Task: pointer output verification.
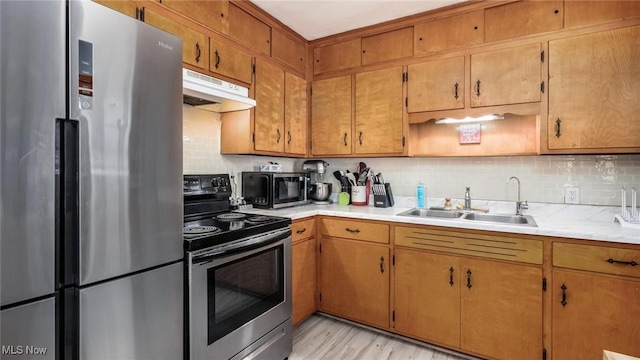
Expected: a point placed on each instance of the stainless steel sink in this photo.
(432, 213)
(524, 220)
(519, 220)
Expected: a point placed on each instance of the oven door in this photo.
(289, 190)
(239, 294)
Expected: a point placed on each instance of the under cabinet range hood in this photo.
(211, 94)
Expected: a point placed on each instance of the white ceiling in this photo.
(314, 19)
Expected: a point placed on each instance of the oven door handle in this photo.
(241, 246)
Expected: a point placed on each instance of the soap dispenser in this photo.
(421, 195)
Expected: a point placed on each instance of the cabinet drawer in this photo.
(493, 246)
(357, 230)
(303, 229)
(597, 258)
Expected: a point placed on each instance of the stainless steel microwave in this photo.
(275, 190)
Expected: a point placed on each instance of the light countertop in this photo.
(558, 220)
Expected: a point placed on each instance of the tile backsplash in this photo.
(543, 178)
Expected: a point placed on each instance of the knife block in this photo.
(385, 199)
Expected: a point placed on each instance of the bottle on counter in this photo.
(421, 194)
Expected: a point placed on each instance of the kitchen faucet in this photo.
(519, 205)
(467, 199)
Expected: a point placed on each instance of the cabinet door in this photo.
(522, 18)
(331, 116)
(585, 13)
(509, 76)
(378, 121)
(355, 281)
(387, 46)
(129, 8)
(229, 61)
(599, 313)
(295, 115)
(269, 110)
(427, 296)
(501, 302)
(436, 85)
(249, 30)
(289, 51)
(304, 279)
(194, 44)
(344, 55)
(449, 33)
(594, 87)
(212, 14)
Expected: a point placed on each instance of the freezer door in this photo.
(136, 317)
(28, 331)
(31, 98)
(126, 93)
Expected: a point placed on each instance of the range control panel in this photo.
(207, 184)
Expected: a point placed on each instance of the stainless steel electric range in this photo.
(238, 276)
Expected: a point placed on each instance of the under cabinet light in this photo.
(470, 119)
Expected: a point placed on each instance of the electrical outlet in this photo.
(572, 195)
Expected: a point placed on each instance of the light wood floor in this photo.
(321, 337)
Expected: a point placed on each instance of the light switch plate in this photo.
(572, 195)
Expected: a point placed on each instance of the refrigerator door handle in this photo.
(67, 201)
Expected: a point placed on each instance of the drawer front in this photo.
(597, 258)
(356, 230)
(303, 229)
(502, 247)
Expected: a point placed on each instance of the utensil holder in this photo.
(359, 195)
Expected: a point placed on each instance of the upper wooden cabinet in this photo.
(195, 45)
(331, 116)
(436, 85)
(229, 61)
(288, 51)
(248, 30)
(343, 55)
(379, 127)
(594, 87)
(508, 76)
(212, 14)
(449, 33)
(269, 110)
(392, 45)
(295, 115)
(522, 18)
(578, 13)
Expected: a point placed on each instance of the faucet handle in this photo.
(524, 205)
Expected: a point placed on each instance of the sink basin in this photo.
(525, 220)
(432, 213)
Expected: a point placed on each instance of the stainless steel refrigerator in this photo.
(90, 184)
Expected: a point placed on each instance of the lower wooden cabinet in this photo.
(469, 304)
(592, 313)
(354, 280)
(304, 269)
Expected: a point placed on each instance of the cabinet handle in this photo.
(360, 138)
(288, 137)
(382, 264)
(138, 13)
(469, 278)
(345, 139)
(300, 231)
(564, 295)
(278, 136)
(353, 231)
(451, 276)
(478, 88)
(558, 133)
(456, 91)
(198, 52)
(632, 263)
(217, 59)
